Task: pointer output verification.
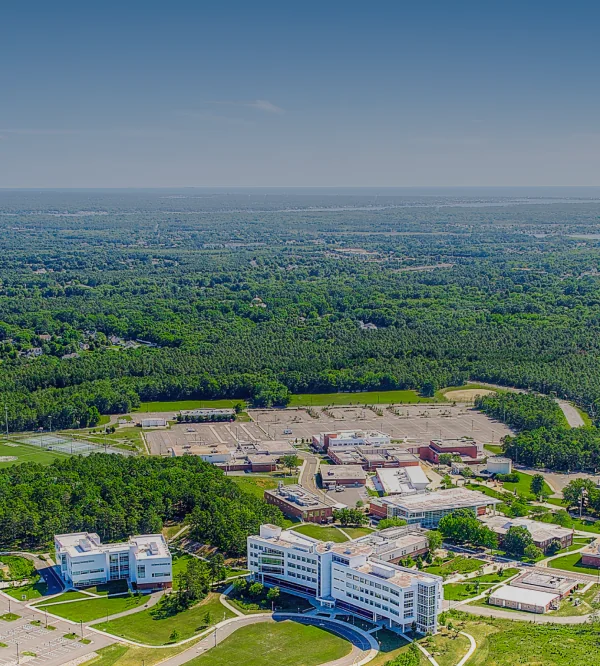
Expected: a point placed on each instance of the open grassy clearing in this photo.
(459, 564)
(523, 487)
(507, 642)
(178, 405)
(121, 655)
(356, 532)
(26, 453)
(169, 531)
(328, 533)
(71, 595)
(90, 609)
(33, 590)
(277, 644)
(474, 586)
(256, 485)
(579, 603)
(154, 627)
(359, 398)
(572, 563)
(447, 647)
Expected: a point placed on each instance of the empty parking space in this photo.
(417, 423)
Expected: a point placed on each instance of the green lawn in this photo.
(587, 525)
(507, 642)
(356, 532)
(523, 487)
(468, 588)
(178, 405)
(278, 644)
(360, 398)
(587, 421)
(571, 563)
(249, 604)
(121, 655)
(112, 587)
(65, 596)
(256, 485)
(153, 627)
(459, 564)
(94, 609)
(34, 590)
(323, 533)
(27, 453)
(496, 449)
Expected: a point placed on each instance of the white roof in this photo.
(402, 479)
(540, 532)
(441, 500)
(524, 596)
(334, 472)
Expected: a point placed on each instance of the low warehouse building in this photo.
(342, 475)
(518, 598)
(296, 502)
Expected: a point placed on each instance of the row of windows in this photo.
(300, 558)
(89, 571)
(302, 576)
(291, 565)
(379, 586)
(160, 574)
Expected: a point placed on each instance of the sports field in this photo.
(13, 453)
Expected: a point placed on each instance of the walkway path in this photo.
(471, 650)
(223, 600)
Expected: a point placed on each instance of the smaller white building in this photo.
(154, 423)
(498, 465)
(402, 480)
(530, 601)
(143, 560)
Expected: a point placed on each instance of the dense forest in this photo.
(117, 496)
(522, 411)
(109, 298)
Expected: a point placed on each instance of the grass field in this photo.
(178, 405)
(65, 596)
(571, 563)
(278, 644)
(121, 655)
(468, 588)
(323, 533)
(356, 532)
(34, 590)
(587, 525)
(361, 398)
(150, 626)
(248, 604)
(523, 487)
(26, 453)
(256, 485)
(506, 643)
(94, 609)
(459, 564)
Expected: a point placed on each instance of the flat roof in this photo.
(449, 443)
(334, 472)
(297, 496)
(540, 532)
(440, 500)
(524, 596)
(592, 549)
(401, 479)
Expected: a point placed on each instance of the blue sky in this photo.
(150, 94)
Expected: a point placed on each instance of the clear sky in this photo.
(309, 93)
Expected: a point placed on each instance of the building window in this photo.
(141, 571)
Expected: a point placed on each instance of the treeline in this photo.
(118, 496)
(563, 449)
(522, 411)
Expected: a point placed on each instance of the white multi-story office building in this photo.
(349, 439)
(354, 576)
(144, 560)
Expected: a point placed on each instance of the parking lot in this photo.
(160, 441)
(418, 423)
(36, 645)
